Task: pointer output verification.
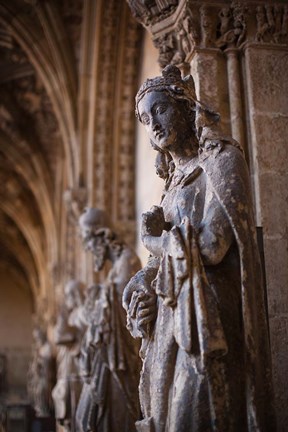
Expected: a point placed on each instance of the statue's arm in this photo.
(215, 234)
(154, 230)
(140, 300)
(141, 281)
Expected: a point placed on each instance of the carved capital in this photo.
(150, 12)
(178, 30)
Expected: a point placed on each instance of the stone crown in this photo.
(171, 80)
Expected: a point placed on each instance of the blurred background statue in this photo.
(110, 361)
(41, 374)
(69, 331)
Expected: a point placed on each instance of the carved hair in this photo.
(181, 89)
(98, 222)
(170, 82)
(94, 218)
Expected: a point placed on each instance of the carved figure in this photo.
(198, 304)
(225, 17)
(284, 21)
(270, 17)
(69, 331)
(262, 25)
(190, 26)
(184, 40)
(208, 36)
(41, 375)
(232, 36)
(151, 11)
(109, 400)
(167, 48)
(278, 23)
(239, 22)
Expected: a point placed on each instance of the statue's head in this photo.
(97, 234)
(168, 108)
(74, 296)
(170, 82)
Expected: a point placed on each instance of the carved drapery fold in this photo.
(237, 53)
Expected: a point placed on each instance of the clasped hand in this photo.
(140, 302)
(152, 230)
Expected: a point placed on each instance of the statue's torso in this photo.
(185, 199)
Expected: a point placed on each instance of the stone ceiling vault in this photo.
(68, 77)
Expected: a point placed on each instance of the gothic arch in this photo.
(34, 173)
(49, 52)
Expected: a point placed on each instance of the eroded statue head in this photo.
(73, 294)
(96, 233)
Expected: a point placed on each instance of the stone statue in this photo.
(198, 304)
(111, 364)
(69, 331)
(41, 374)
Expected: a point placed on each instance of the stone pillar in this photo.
(235, 97)
(208, 67)
(267, 89)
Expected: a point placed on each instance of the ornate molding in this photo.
(108, 141)
(124, 195)
(213, 25)
(150, 12)
(105, 99)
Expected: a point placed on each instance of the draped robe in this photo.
(109, 400)
(206, 363)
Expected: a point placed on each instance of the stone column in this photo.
(267, 89)
(208, 67)
(235, 95)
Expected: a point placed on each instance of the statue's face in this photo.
(165, 119)
(87, 236)
(95, 244)
(69, 298)
(99, 252)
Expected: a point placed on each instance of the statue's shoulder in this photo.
(229, 159)
(228, 174)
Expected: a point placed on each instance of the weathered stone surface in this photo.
(211, 88)
(271, 150)
(272, 184)
(267, 78)
(198, 305)
(267, 85)
(276, 250)
(279, 332)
